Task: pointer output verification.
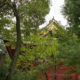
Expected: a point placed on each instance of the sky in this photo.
(55, 11)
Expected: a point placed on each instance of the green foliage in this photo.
(36, 11)
(43, 48)
(3, 73)
(69, 50)
(72, 14)
(60, 45)
(4, 66)
(31, 13)
(2, 47)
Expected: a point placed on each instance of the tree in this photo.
(31, 17)
(18, 43)
(72, 14)
(27, 13)
(69, 48)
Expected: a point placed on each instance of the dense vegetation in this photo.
(72, 14)
(35, 50)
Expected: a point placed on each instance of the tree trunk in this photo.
(18, 43)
